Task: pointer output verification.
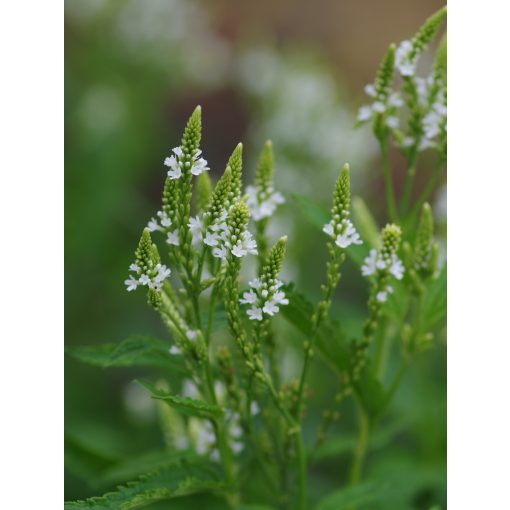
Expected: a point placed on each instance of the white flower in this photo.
(164, 219)
(279, 297)
(403, 61)
(379, 107)
(255, 283)
(249, 297)
(191, 334)
(211, 238)
(144, 279)
(134, 267)
(153, 225)
(236, 446)
(392, 122)
(382, 295)
(175, 171)
(174, 350)
(328, 229)
(369, 264)
(348, 236)
(270, 307)
(364, 113)
(395, 100)
(172, 238)
(370, 90)
(196, 225)
(163, 272)
(254, 408)
(220, 252)
(262, 203)
(199, 166)
(215, 455)
(131, 283)
(254, 313)
(397, 268)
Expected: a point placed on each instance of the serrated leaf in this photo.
(131, 468)
(185, 405)
(136, 350)
(165, 483)
(357, 496)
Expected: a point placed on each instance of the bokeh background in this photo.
(291, 71)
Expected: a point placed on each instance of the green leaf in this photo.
(330, 341)
(185, 405)
(136, 350)
(130, 468)
(371, 394)
(165, 483)
(358, 495)
(318, 216)
(315, 213)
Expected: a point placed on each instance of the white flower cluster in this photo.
(196, 166)
(434, 120)
(153, 278)
(405, 61)
(264, 297)
(388, 104)
(163, 225)
(376, 262)
(262, 203)
(342, 231)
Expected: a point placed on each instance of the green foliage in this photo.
(165, 483)
(137, 350)
(244, 422)
(185, 405)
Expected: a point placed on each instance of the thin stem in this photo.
(429, 188)
(388, 183)
(408, 182)
(361, 445)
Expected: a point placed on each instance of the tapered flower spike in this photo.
(408, 52)
(428, 31)
(235, 163)
(340, 228)
(384, 75)
(262, 199)
(424, 247)
(265, 295)
(148, 270)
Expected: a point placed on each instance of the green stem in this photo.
(427, 191)
(408, 182)
(361, 446)
(388, 183)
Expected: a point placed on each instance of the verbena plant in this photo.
(232, 417)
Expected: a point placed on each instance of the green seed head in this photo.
(424, 244)
(264, 172)
(427, 31)
(274, 261)
(220, 197)
(342, 194)
(235, 162)
(384, 75)
(192, 133)
(390, 241)
(146, 255)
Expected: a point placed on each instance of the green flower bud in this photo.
(427, 31)
(235, 163)
(203, 191)
(264, 171)
(384, 75)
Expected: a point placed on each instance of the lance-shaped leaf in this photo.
(136, 350)
(166, 483)
(185, 405)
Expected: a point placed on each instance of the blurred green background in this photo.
(291, 71)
